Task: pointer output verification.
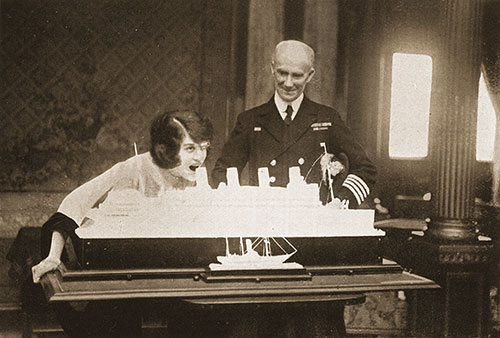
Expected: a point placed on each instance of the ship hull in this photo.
(257, 259)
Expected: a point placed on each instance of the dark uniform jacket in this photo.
(262, 139)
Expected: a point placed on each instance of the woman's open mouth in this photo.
(193, 167)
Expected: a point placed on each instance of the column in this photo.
(454, 121)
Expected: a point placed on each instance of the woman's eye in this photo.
(189, 149)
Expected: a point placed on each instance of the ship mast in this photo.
(227, 247)
(241, 246)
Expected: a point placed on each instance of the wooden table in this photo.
(86, 285)
(347, 284)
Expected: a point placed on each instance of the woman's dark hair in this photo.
(168, 129)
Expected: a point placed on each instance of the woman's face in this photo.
(191, 155)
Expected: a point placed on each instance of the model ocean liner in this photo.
(264, 218)
(229, 211)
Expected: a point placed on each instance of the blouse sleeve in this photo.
(77, 203)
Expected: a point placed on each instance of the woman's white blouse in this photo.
(138, 172)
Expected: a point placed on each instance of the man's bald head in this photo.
(292, 67)
(294, 50)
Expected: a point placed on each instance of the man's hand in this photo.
(330, 167)
(47, 265)
(330, 163)
(338, 204)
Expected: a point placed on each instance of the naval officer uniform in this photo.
(263, 137)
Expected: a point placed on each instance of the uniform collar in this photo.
(281, 105)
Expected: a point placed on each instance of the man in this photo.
(291, 130)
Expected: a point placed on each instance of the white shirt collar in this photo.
(281, 105)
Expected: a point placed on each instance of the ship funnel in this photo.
(295, 178)
(263, 174)
(202, 178)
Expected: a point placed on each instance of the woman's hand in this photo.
(47, 265)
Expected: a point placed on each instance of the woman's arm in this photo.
(52, 261)
(72, 211)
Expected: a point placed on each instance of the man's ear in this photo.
(310, 75)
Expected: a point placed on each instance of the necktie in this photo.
(289, 112)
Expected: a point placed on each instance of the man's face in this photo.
(191, 155)
(291, 74)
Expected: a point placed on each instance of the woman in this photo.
(179, 143)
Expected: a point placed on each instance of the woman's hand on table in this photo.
(46, 265)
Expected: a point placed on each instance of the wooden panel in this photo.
(320, 32)
(216, 69)
(195, 252)
(265, 30)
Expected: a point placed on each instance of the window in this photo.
(486, 124)
(410, 105)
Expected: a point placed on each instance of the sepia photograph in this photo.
(249, 168)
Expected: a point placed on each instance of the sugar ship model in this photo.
(250, 259)
(196, 226)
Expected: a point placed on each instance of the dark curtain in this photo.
(491, 73)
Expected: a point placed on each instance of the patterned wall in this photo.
(80, 81)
